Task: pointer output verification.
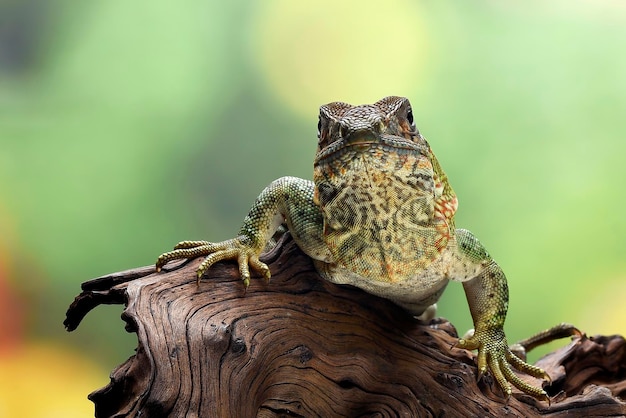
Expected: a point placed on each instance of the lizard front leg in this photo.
(287, 199)
(488, 298)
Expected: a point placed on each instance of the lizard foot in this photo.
(233, 249)
(495, 356)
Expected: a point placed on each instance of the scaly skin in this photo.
(379, 215)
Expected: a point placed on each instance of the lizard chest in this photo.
(379, 217)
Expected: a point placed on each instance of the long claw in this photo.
(520, 365)
(519, 383)
(182, 253)
(562, 330)
(190, 244)
(261, 267)
(499, 374)
(482, 363)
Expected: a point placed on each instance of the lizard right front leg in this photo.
(284, 199)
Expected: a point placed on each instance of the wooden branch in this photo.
(300, 346)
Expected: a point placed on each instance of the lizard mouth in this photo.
(365, 143)
(360, 143)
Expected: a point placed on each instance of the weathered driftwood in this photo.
(300, 346)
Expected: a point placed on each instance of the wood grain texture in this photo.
(300, 346)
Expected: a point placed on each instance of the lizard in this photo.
(379, 215)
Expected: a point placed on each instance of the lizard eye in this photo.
(409, 117)
(319, 128)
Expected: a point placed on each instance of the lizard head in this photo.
(343, 127)
(374, 140)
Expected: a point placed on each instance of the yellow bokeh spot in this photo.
(603, 310)
(313, 53)
(47, 381)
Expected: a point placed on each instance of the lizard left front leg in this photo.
(288, 199)
(488, 297)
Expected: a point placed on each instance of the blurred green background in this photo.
(126, 127)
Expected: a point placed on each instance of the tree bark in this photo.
(300, 346)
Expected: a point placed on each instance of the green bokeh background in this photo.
(126, 127)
